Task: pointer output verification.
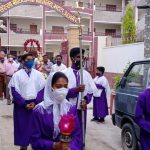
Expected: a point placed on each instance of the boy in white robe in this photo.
(100, 106)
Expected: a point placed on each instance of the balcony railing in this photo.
(113, 41)
(103, 15)
(24, 11)
(25, 31)
(87, 36)
(116, 40)
(104, 8)
(18, 39)
(115, 35)
(49, 35)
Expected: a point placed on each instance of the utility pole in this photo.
(8, 33)
(43, 30)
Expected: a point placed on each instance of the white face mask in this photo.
(59, 94)
(10, 59)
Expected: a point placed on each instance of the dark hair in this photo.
(45, 55)
(58, 75)
(102, 69)
(75, 51)
(19, 58)
(59, 56)
(23, 57)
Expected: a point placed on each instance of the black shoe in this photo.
(23, 148)
(94, 119)
(9, 102)
(102, 120)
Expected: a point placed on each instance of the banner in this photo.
(48, 3)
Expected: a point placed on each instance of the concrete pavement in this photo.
(98, 137)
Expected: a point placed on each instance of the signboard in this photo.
(48, 3)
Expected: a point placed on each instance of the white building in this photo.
(25, 22)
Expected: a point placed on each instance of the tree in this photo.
(128, 26)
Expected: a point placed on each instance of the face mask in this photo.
(60, 94)
(29, 64)
(58, 63)
(77, 63)
(98, 74)
(10, 59)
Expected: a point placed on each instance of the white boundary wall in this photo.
(116, 58)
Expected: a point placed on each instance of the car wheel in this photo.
(128, 137)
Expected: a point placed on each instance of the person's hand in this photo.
(81, 88)
(43, 69)
(64, 146)
(83, 105)
(61, 146)
(30, 106)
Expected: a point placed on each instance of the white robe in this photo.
(27, 86)
(104, 82)
(90, 87)
(56, 68)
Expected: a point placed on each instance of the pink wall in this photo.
(110, 77)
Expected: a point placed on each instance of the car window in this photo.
(137, 76)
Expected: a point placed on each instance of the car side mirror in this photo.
(123, 82)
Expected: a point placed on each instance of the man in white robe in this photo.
(75, 87)
(27, 90)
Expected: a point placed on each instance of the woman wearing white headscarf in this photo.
(142, 115)
(45, 135)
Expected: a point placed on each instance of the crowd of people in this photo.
(9, 64)
(40, 102)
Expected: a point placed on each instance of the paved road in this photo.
(98, 137)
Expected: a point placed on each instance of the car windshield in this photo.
(138, 76)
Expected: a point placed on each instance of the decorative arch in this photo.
(31, 42)
(47, 3)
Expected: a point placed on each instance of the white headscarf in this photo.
(148, 80)
(58, 109)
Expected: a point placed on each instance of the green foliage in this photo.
(118, 78)
(128, 26)
(132, 76)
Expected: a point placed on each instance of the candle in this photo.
(66, 126)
